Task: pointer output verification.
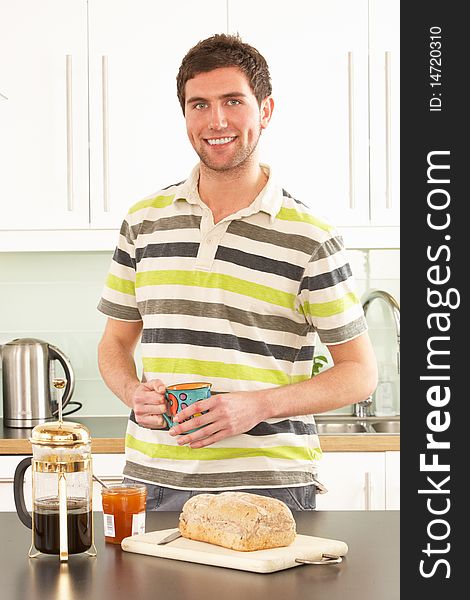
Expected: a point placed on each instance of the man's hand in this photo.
(148, 403)
(227, 415)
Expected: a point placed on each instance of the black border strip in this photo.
(434, 125)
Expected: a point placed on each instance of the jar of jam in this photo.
(123, 510)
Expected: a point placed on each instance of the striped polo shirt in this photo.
(239, 303)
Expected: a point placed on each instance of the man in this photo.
(228, 279)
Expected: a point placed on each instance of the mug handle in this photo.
(18, 492)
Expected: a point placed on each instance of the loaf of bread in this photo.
(237, 520)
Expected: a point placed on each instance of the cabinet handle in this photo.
(352, 198)
(68, 85)
(104, 85)
(367, 490)
(388, 130)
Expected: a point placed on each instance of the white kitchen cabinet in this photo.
(43, 114)
(392, 480)
(355, 481)
(317, 139)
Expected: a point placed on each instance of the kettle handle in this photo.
(18, 492)
(56, 354)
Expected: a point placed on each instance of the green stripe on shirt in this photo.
(155, 202)
(208, 368)
(120, 285)
(187, 453)
(334, 307)
(216, 280)
(291, 214)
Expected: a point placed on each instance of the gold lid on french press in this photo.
(59, 433)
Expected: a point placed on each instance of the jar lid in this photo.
(125, 489)
(60, 433)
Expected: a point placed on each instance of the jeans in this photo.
(169, 499)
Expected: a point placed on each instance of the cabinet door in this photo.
(392, 480)
(317, 140)
(355, 481)
(7, 472)
(43, 114)
(385, 112)
(138, 141)
(109, 468)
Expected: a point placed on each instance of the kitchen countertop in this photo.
(370, 570)
(107, 435)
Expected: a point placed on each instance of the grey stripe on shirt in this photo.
(328, 336)
(210, 339)
(270, 236)
(167, 249)
(237, 479)
(259, 263)
(326, 280)
(348, 331)
(214, 310)
(119, 311)
(263, 428)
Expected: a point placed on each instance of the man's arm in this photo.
(117, 367)
(352, 379)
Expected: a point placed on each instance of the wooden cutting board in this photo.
(259, 561)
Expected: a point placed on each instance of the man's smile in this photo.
(219, 141)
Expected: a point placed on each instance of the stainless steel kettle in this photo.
(27, 373)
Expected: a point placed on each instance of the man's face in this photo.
(223, 119)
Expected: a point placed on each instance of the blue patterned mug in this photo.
(182, 395)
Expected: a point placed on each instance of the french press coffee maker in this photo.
(62, 489)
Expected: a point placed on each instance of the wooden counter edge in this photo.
(98, 446)
(359, 443)
(329, 443)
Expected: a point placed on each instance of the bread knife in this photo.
(169, 538)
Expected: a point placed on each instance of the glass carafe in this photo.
(62, 489)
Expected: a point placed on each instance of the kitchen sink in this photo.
(386, 426)
(341, 427)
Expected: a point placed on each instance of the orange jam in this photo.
(123, 511)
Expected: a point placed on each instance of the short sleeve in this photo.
(327, 296)
(118, 299)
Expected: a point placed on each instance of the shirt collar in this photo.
(269, 200)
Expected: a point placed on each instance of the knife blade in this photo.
(169, 538)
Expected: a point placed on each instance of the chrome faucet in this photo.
(395, 308)
(362, 409)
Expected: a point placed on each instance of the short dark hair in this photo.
(222, 50)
